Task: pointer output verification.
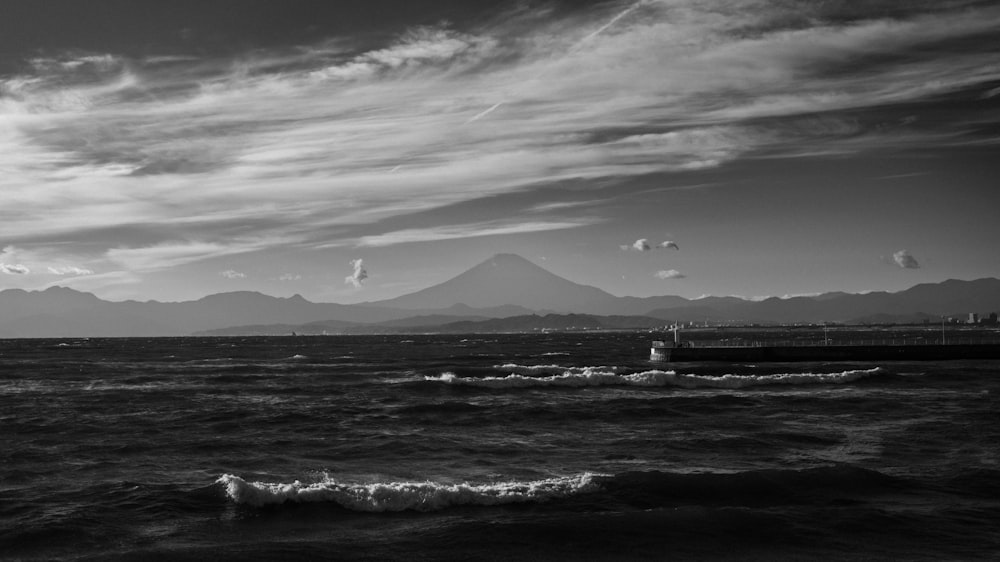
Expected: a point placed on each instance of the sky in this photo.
(354, 151)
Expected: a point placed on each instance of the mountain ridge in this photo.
(503, 286)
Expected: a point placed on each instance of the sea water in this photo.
(519, 446)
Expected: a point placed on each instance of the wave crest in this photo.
(593, 376)
(551, 369)
(402, 496)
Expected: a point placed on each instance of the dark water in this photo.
(554, 446)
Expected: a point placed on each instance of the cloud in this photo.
(905, 260)
(165, 255)
(417, 47)
(787, 296)
(297, 142)
(171, 254)
(669, 274)
(641, 245)
(69, 270)
(359, 275)
(289, 277)
(493, 228)
(14, 269)
(38, 258)
(561, 205)
(232, 274)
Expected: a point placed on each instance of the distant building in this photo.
(973, 318)
(993, 318)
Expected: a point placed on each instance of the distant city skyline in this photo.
(357, 151)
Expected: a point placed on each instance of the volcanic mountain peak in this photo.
(510, 266)
(506, 279)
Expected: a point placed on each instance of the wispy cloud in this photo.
(309, 147)
(47, 261)
(162, 256)
(467, 231)
(561, 206)
(69, 270)
(903, 176)
(177, 253)
(669, 274)
(233, 274)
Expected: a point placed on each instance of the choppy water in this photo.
(554, 446)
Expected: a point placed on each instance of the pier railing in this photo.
(833, 342)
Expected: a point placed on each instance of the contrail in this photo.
(482, 114)
(613, 21)
(590, 36)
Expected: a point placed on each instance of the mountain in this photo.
(535, 322)
(504, 286)
(62, 312)
(462, 309)
(949, 298)
(15, 303)
(310, 329)
(508, 279)
(446, 324)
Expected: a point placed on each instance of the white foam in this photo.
(595, 377)
(552, 369)
(401, 496)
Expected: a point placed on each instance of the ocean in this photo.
(557, 446)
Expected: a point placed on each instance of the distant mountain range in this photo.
(445, 324)
(504, 293)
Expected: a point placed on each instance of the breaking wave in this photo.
(595, 376)
(551, 369)
(645, 489)
(402, 496)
